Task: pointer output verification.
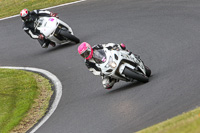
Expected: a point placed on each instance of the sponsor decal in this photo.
(104, 59)
(51, 19)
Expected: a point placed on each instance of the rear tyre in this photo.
(69, 36)
(134, 75)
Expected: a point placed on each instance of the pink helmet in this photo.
(85, 50)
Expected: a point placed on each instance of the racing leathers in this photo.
(107, 82)
(29, 26)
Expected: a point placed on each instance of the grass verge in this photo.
(13, 7)
(188, 122)
(24, 98)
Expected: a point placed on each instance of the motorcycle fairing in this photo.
(123, 59)
(49, 26)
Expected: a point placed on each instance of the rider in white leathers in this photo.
(88, 52)
(29, 19)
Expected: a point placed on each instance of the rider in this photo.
(29, 19)
(89, 53)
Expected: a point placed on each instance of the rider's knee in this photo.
(108, 82)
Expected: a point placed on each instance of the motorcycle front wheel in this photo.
(134, 75)
(148, 71)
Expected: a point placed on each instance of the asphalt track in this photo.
(164, 33)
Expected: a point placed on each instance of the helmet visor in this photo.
(86, 53)
(26, 18)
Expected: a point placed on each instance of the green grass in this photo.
(185, 123)
(13, 7)
(18, 90)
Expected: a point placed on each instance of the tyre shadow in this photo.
(130, 85)
(59, 47)
(50, 50)
(126, 87)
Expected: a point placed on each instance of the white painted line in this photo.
(65, 4)
(58, 92)
(47, 8)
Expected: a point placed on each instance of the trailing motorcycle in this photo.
(56, 30)
(122, 65)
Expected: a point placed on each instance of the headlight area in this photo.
(113, 64)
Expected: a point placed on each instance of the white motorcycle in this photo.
(56, 30)
(122, 65)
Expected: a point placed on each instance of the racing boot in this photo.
(44, 45)
(53, 44)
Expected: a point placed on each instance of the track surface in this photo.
(166, 34)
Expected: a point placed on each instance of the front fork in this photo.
(135, 58)
(67, 26)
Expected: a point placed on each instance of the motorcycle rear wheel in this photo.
(134, 75)
(69, 36)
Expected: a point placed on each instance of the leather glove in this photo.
(101, 74)
(54, 15)
(41, 37)
(123, 46)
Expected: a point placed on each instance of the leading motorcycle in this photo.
(56, 30)
(122, 65)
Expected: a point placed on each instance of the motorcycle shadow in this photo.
(59, 47)
(50, 50)
(126, 87)
(130, 85)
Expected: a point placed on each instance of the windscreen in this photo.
(39, 22)
(99, 56)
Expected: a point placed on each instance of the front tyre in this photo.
(69, 36)
(148, 71)
(134, 75)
